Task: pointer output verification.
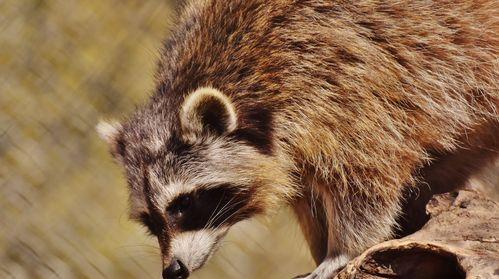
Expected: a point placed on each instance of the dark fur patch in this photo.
(150, 223)
(120, 146)
(211, 208)
(214, 115)
(399, 58)
(348, 57)
(256, 129)
(177, 146)
(279, 20)
(153, 220)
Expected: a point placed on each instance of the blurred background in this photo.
(65, 64)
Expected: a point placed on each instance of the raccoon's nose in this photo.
(176, 270)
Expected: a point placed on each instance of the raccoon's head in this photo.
(194, 172)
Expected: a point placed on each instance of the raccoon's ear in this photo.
(109, 131)
(207, 111)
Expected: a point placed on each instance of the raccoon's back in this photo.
(364, 82)
(412, 55)
(374, 85)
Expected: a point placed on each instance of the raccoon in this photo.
(339, 109)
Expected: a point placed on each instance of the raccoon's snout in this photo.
(176, 270)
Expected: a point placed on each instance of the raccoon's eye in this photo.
(180, 205)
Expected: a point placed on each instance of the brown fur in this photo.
(349, 102)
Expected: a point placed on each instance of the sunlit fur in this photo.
(341, 107)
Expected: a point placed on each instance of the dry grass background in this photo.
(63, 65)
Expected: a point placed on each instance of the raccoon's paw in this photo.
(327, 269)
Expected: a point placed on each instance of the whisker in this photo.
(211, 219)
(230, 216)
(211, 215)
(219, 213)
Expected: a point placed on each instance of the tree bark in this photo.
(461, 240)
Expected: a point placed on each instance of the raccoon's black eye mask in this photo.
(203, 209)
(153, 224)
(207, 208)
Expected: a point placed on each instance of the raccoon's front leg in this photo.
(353, 222)
(311, 215)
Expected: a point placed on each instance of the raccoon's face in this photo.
(191, 180)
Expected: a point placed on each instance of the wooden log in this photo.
(461, 240)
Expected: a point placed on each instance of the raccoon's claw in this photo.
(315, 275)
(327, 269)
(303, 276)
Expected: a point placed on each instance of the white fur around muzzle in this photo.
(196, 247)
